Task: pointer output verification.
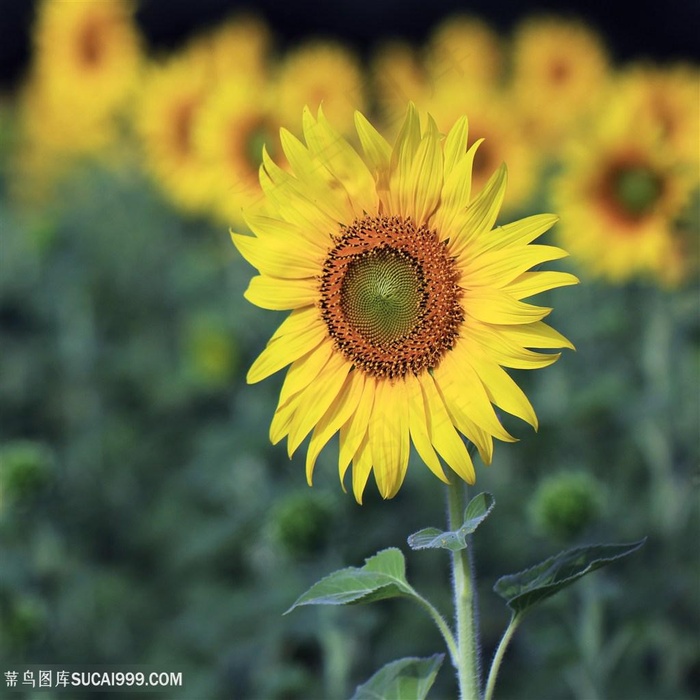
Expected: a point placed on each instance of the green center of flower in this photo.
(381, 294)
(637, 189)
(390, 296)
(254, 142)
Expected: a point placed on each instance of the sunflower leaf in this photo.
(382, 576)
(527, 588)
(405, 679)
(476, 512)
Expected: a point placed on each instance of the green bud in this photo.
(25, 469)
(566, 504)
(300, 523)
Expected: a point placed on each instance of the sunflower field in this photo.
(146, 517)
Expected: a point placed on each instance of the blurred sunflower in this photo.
(464, 52)
(399, 76)
(669, 100)
(86, 59)
(319, 72)
(620, 194)
(405, 303)
(560, 70)
(239, 47)
(492, 120)
(172, 95)
(234, 125)
(87, 55)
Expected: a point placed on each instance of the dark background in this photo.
(646, 29)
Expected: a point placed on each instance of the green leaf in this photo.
(382, 576)
(475, 513)
(405, 679)
(527, 588)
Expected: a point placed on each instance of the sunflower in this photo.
(239, 47)
(234, 124)
(464, 51)
(492, 121)
(398, 76)
(669, 99)
(560, 70)
(172, 95)
(87, 55)
(319, 72)
(405, 303)
(620, 195)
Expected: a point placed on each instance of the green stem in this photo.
(463, 587)
(498, 656)
(441, 625)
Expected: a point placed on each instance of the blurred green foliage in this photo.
(145, 518)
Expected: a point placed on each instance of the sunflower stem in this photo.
(463, 585)
(498, 656)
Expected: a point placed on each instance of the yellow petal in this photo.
(302, 331)
(443, 435)
(503, 349)
(389, 437)
(519, 232)
(499, 267)
(285, 233)
(531, 283)
(464, 394)
(280, 294)
(418, 423)
(401, 162)
(494, 306)
(539, 335)
(502, 390)
(315, 400)
(344, 406)
(313, 170)
(361, 467)
(345, 165)
(304, 370)
(376, 148)
(481, 213)
(297, 202)
(279, 258)
(455, 196)
(456, 145)
(353, 432)
(424, 182)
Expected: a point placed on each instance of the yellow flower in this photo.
(172, 94)
(87, 55)
(669, 100)
(231, 130)
(619, 194)
(399, 77)
(405, 303)
(465, 52)
(320, 72)
(86, 60)
(239, 47)
(492, 120)
(560, 70)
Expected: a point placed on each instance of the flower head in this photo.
(620, 195)
(172, 96)
(319, 72)
(560, 70)
(405, 303)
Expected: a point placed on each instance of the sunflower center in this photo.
(637, 189)
(390, 297)
(255, 138)
(381, 294)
